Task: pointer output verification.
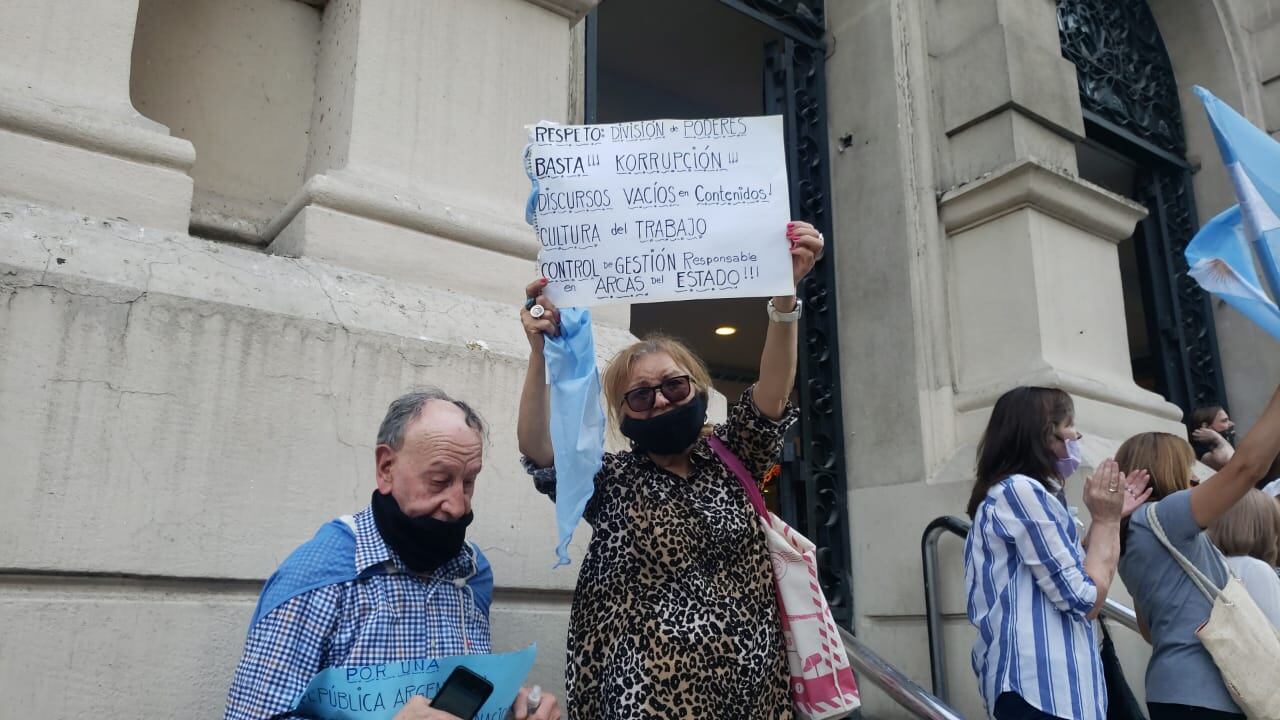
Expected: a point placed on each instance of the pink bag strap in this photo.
(748, 483)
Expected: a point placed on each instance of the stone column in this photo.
(972, 259)
(414, 168)
(69, 135)
(1034, 279)
(1005, 92)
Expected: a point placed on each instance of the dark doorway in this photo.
(650, 59)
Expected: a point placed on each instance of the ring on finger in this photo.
(536, 311)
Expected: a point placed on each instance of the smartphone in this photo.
(462, 694)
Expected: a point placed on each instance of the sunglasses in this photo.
(674, 389)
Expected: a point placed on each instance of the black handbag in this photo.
(1121, 704)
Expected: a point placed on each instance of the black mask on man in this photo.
(670, 432)
(423, 543)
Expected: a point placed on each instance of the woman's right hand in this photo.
(548, 324)
(1104, 492)
(532, 422)
(1208, 436)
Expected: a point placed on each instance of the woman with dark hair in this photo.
(1212, 435)
(1033, 590)
(1182, 679)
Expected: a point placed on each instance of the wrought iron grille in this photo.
(815, 491)
(1129, 98)
(1182, 322)
(801, 20)
(1123, 69)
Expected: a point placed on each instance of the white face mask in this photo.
(1068, 465)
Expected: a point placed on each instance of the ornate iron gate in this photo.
(1130, 101)
(814, 490)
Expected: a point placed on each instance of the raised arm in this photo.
(1254, 455)
(778, 359)
(533, 423)
(1104, 494)
(1221, 452)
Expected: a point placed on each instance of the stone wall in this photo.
(181, 414)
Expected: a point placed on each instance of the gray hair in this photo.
(404, 409)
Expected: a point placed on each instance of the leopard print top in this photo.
(675, 614)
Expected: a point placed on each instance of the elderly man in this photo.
(396, 581)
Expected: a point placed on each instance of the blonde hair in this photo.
(617, 376)
(1168, 458)
(1277, 517)
(1248, 528)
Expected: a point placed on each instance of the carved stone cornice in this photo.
(1028, 183)
(575, 10)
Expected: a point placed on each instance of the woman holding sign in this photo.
(675, 613)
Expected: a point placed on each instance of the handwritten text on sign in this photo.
(661, 210)
(378, 692)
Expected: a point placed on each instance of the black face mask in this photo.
(423, 543)
(670, 432)
(1230, 437)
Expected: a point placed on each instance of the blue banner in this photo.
(378, 692)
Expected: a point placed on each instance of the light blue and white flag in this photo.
(577, 420)
(1234, 252)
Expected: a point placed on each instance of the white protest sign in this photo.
(660, 210)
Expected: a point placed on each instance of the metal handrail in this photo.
(959, 527)
(902, 689)
(932, 613)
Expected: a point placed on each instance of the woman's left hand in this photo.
(806, 248)
(1136, 491)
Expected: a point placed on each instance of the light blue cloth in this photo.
(379, 691)
(330, 558)
(1224, 257)
(577, 420)
(531, 205)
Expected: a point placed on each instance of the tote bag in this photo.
(822, 684)
(1237, 635)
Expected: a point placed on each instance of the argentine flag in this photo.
(1227, 254)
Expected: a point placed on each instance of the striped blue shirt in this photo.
(1029, 597)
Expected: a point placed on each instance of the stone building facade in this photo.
(232, 230)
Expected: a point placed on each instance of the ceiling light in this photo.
(726, 330)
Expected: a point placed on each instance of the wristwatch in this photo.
(785, 317)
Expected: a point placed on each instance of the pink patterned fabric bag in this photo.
(822, 683)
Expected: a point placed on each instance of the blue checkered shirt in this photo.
(387, 614)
